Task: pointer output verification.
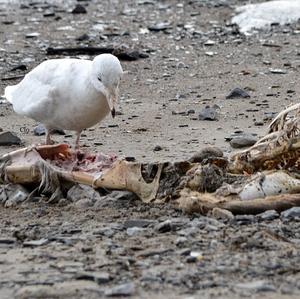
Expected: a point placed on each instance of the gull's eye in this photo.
(99, 78)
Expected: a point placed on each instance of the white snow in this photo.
(262, 15)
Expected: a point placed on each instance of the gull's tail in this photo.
(8, 93)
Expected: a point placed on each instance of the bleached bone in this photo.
(29, 165)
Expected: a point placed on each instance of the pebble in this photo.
(138, 223)
(256, 286)
(208, 113)
(133, 231)
(79, 192)
(268, 215)
(9, 138)
(243, 140)
(293, 213)
(278, 71)
(98, 277)
(222, 214)
(237, 93)
(157, 148)
(126, 289)
(12, 195)
(79, 9)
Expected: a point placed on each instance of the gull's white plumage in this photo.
(67, 93)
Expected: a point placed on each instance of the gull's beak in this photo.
(112, 99)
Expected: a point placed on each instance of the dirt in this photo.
(189, 256)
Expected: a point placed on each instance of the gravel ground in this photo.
(116, 245)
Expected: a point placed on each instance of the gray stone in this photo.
(257, 286)
(12, 195)
(79, 191)
(126, 289)
(293, 213)
(137, 223)
(133, 231)
(9, 138)
(268, 215)
(40, 130)
(222, 214)
(243, 140)
(208, 113)
(84, 203)
(238, 93)
(36, 243)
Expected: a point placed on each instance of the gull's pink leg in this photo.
(77, 146)
(48, 137)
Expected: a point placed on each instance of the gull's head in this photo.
(107, 73)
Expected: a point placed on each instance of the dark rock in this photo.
(170, 225)
(83, 37)
(79, 9)
(208, 113)
(238, 93)
(9, 138)
(99, 277)
(126, 289)
(293, 213)
(258, 123)
(157, 148)
(20, 67)
(244, 219)
(49, 14)
(137, 223)
(243, 140)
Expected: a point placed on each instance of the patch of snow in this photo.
(262, 15)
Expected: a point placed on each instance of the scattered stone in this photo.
(258, 123)
(268, 215)
(137, 223)
(222, 214)
(99, 277)
(79, 9)
(20, 67)
(84, 203)
(293, 213)
(243, 140)
(208, 113)
(133, 231)
(12, 195)
(36, 243)
(256, 286)
(157, 148)
(162, 26)
(238, 93)
(5, 241)
(32, 35)
(79, 191)
(126, 289)
(278, 71)
(9, 138)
